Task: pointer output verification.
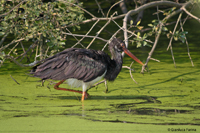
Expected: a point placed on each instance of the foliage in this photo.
(38, 21)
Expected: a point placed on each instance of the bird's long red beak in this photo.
(132, 56)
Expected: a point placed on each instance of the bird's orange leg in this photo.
(84, 94)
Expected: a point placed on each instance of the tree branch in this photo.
(141, 8)
(84, 36)
(198, 19)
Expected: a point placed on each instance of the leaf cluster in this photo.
(32, 19)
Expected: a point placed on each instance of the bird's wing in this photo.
(81, 64)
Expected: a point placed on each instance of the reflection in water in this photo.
(83, 110)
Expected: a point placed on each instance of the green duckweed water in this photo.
(166, 98)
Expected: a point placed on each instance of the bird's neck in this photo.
(116, 66)
(117, 57)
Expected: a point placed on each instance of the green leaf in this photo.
(139, 44)
(1, 8)
(150, 25)
(138, 34)
(131, 22)
(144, 36)
(175, 38)
(165, 29)
(2, 33)
(61, 43)
(144, 43)
(138, 22)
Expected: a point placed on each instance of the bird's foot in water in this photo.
(85, 95)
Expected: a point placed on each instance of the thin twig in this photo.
(129, 68)
(141, 8)
(154, 59)
(158, 14)
(153, 48)
(191, 15)
(84, 36)
(100, 31)
(170, 42)
(15, 80)
(94, 19)
(20, 64)
(13, 48)
(46, 52)
(103, 81)
(4, 37)
(14, 41)
(100, 8)
(86, 33)
(173, 56)
(24, 52)
(111, 39)
(187, 46)
(131, 73)
(112, 7)
(74, 37)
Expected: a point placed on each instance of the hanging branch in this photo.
(86, 33)
(184, 9)
(170, 42)
(84, 36)
(100, 8)
(141, 8)
(188, 50)
(153, 48)
(100, 31)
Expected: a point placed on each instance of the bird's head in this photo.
(117, 45)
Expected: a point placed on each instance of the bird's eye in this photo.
(123, 45)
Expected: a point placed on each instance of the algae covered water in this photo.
(166, 98)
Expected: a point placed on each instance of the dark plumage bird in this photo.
(83, 67)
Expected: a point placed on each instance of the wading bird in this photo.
(83, 67)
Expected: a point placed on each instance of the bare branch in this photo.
(87, 33)
(14, 41)
(141, 8)
(19, 64)
(198, 19)
(131, 73)
(84, 36)
(100, 8)
(74, 37)
(187, 45)
(112, 7)
(153, 48)
(3, 38)
(154, 59)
